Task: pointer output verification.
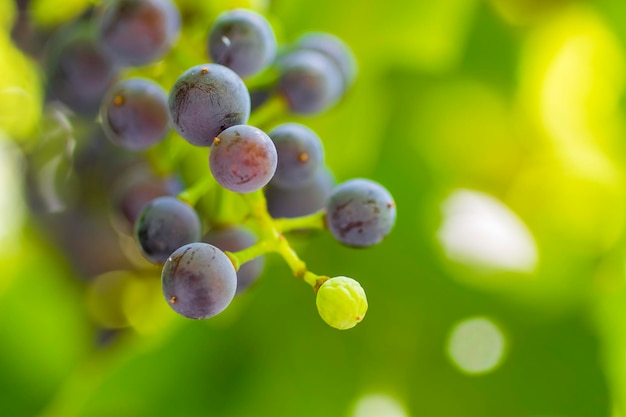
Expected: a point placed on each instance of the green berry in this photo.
(341, 302)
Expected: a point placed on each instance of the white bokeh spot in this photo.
(476, 345)
(12, 204)
(378, 405)
(480, 231)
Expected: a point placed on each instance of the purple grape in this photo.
(138, 32)
(233, 239)
(300, 154)
(79, 73)
(360, 212)
(243, 41)
(199, 281)
(135, 187)
(243, 159)
(164, 225)
(134, 114)
(310, 81)
(301, 201)
(335, 49)
(205, 100)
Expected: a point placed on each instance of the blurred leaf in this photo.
(20, 92)
(44, 330)
(48, 13)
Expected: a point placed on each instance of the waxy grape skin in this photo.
(243, 159)
(165, 224)
(199, 281)
(360, 213)
(205, 100)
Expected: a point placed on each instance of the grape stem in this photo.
(316, 221)
(223, 207)
(271, 239)
(194, 193)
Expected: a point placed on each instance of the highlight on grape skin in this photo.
(243, 41)
(341, 302)
(360, 212)
(205, 100)
(134, 114)
(199, 281)
(243, 159)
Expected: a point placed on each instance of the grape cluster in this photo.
(210, 233)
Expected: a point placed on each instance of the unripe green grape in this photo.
(341, 302)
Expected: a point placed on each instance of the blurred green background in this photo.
(498, 126)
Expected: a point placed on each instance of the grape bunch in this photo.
(245, 177)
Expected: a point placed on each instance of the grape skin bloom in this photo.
(134, 114)
(360, 212)
(336, 49)
(243, 159)
(341, 302)
(300, 201)
(138, 32)
(199, 281)
(309, 81)
(243, 41)
(164, 225)
(300, 154)
(79, 72)
(206, 100)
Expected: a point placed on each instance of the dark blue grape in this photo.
(360, 212)
(243, 41)
(164, 225)
(233, 239)
(335, 49)
(309, 81)
(79, 73)
(300, 154)
(138, 32)
(205, 100)
(134, 114)
(199, 281)
(301, 201)
(243, 159)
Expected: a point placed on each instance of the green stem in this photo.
(258, 211)
(272, 240)
(224, 209)
(241, 257)
(316, 220)
(297, 265)
(198, 190)
(217, 206)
